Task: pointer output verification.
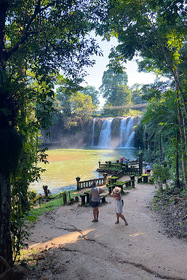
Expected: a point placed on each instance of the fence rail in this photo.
(122, 168)
(131, 171)
(88, 183)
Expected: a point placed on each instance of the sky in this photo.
(96, 72)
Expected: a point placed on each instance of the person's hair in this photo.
(94, 184)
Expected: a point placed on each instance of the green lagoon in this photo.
(67, 164)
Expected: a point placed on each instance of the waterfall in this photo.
(123, 126)
(130, 142)
(129, 128)
(105, 134)
(93, 129)
(126, 133)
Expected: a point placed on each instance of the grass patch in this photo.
(53, 202)
(48, 206)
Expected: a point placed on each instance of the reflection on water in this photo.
(67, 164)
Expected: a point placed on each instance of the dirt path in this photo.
(76, 248)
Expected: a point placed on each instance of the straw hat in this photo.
(116, 190)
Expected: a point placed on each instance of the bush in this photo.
(32, 194)
(160, 174)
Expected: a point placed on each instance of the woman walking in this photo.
(118, 205)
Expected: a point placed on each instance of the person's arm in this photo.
(90, 194)
(101, 191)
(116, 196)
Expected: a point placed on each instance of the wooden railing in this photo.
(88, 183)
(116, 164)
(131, 170)
(109, 164)
(122, 168)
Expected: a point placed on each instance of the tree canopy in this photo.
(156, 32)
(37, 39)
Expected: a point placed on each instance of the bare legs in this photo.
(95, 214)
(119, 215)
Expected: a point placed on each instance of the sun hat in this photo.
(116, 190)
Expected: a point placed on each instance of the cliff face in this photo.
(76, 137)
(83, 136)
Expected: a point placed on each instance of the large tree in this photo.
(75, 109)
(115, 90)
(162, 127)
(37, 39)
(156, 31)
(93, 93)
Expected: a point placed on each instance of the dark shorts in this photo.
(94, 204)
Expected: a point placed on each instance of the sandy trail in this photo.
(76, 248)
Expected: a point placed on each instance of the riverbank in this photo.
(65, 244)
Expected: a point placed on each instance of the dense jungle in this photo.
(45, 48)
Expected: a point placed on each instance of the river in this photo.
(67, 164)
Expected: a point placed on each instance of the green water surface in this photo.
(67, 164)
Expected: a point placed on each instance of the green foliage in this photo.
(75, 109)
(150, 156)
(81, 108)
(19, 228)
(156, 31)
(114, 89)
(31, 194)
(138, 94)
(52, 202)
(47, 207)
(139, 136)
(162, 129)
(91, 91)
(111, 81)
(160, 174)
(116, 92)
(38, 39)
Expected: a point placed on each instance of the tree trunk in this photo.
(182, 139)
(5, 207)
(140, 163)
(160, 147)
(177, 160)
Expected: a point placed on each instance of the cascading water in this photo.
(105, 134)
(93, 129)
(126, 133)
(130, 142)
(123, 126)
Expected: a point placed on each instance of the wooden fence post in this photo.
(105, 178)
(78, 180)
(140, 162)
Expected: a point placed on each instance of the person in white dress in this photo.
(118, 204)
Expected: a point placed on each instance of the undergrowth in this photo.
(50, 203)
(171, 204)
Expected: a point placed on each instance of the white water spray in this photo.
(126, 133)
(105, 134)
